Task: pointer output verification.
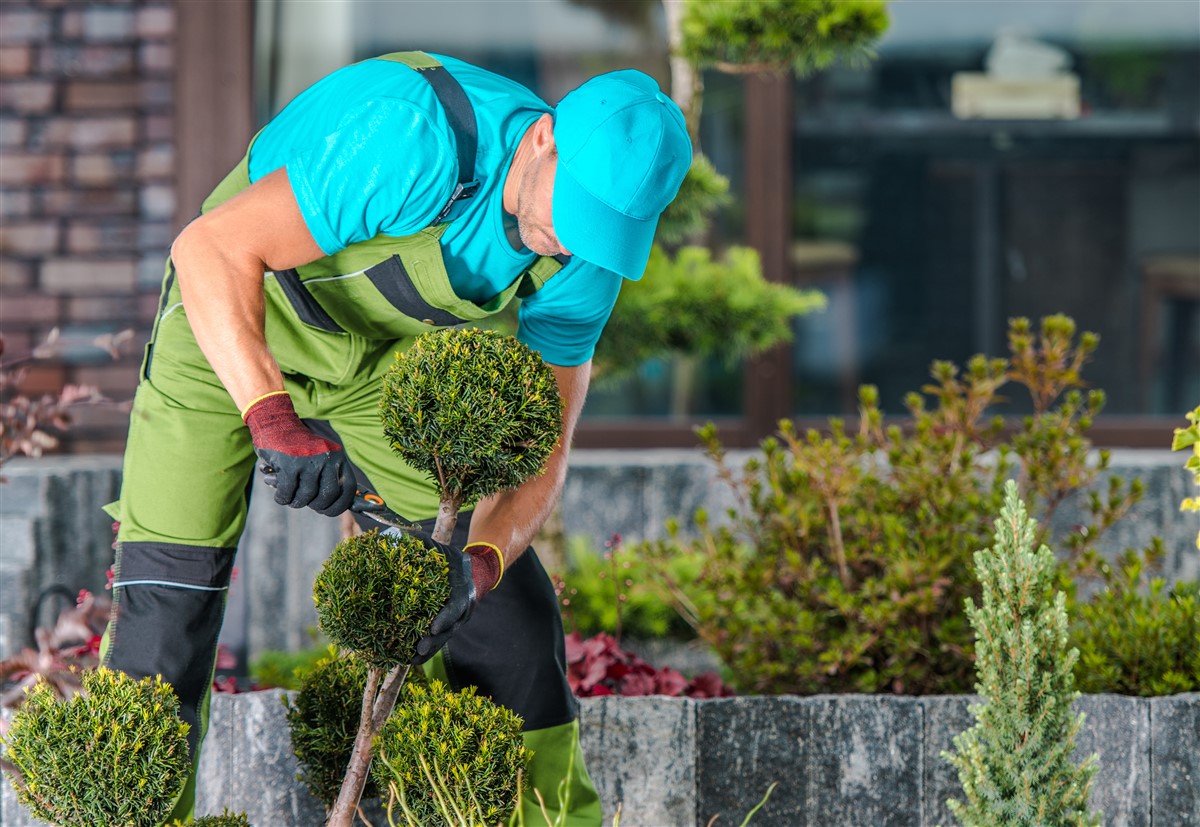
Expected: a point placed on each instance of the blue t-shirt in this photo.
(368, 150)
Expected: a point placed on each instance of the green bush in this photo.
(846, 564)
(323, 719)
(280, 669)
(1138, 638)
(1016, 763)
(377, 595)
(614, 593)
(476, 410)
(703, 192)
(441, 746)
(773, 35)
(116, 754)
(691, 304)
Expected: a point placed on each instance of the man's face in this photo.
(534, 197)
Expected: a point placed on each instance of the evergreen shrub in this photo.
(775, 35)
(377, 594)
(1137, 636)
(440, 746)
(693, 304)
(115, 754)
(845, 564)
(475, 409)
(323, 720)
(1016, 763)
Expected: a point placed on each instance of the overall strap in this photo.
(460, 115)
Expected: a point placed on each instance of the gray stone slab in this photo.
(600, 500)
(945, 716)
(21, 493)
(247, 765)
(641, 753)
(1175, 760)
(838, 760)
(1116, 728)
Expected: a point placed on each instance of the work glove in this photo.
(305, 470)
(473, 571)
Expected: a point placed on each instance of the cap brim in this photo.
(598, 234)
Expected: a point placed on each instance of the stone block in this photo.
(641, 754)
(247, 765)
(1175, 759)
(1116, 729)
(837, 760)
(601, 499)
(945, 716)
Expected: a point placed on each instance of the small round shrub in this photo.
(472, 746)
(323, 720)
(475, 409)
(378, 593)
(116, 754)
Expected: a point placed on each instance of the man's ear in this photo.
(543, 134)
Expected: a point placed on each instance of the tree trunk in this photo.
(686, 84)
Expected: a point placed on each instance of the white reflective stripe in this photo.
(171, 309)
(335, 278)
(122, 583)
(269, 274)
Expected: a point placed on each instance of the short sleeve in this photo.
(386, 169)
(564, 319)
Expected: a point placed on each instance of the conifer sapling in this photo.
(1015, 763)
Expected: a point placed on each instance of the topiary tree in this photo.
(480, 413)
(1015, 763)
(116, 753)
(445, 752)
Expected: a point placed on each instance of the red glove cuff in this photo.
(274, 426)
(487, 567)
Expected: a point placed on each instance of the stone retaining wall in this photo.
(839, 760)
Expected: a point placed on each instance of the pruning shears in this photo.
(370, 504)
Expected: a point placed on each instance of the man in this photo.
(396, 196)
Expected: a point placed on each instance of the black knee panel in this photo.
(168, 604)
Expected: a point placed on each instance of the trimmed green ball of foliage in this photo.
(116, 754)
(466, 745)
(377, 595)
(776, 34)
(475, 409)
(323, 720)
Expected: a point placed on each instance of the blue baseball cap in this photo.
(623, 150)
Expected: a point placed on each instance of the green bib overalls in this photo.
(333, 326)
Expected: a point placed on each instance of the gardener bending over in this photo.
(396, 196)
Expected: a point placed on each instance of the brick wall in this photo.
(87, 193)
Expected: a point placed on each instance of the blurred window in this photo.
(1004, 159)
